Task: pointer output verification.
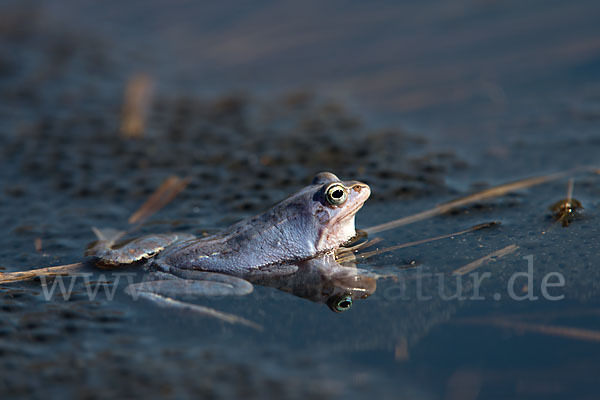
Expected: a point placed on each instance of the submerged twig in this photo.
(463, 201)
(552, 330)
(166, 192)
(18, 276)
(484, 260)
(548, 315)
(369, 254)
(164, 301)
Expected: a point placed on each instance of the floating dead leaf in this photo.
(567, 209)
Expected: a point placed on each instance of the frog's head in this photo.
(315, 220)
(333, 206)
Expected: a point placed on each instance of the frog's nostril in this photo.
(359, 188)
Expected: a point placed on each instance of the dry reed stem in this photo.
(463, 201)
(135, 106)
(19, 276)
(360, 246)
(165, 193)
(484, 260)
(570, 190)
(369, 254)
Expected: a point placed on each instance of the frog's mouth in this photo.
(347, 214)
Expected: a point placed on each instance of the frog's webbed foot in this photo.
(164, 292)
(111, 253)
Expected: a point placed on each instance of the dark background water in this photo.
(425, 101)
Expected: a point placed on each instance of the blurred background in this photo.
(101, 101)
(452, 70)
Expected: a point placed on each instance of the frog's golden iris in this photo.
(336, 194)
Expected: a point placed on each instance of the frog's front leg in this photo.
(185, 284)
(109, 253)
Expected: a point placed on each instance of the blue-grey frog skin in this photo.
(310, 224)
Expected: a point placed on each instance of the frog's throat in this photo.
(341, 231)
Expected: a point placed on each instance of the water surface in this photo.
(424, 101)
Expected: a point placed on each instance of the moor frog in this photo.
(299, 234)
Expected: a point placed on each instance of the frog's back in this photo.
(280, 235)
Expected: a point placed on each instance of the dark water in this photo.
(424, 101)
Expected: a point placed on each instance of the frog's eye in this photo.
(336, 194)
(340, 303)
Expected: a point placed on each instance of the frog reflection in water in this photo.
(290, 247)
